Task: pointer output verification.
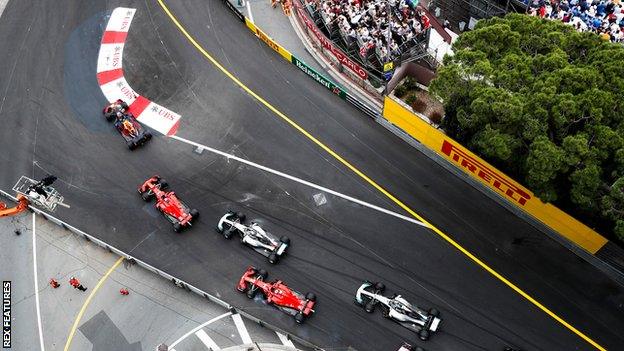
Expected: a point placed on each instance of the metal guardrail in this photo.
(373, 113)
(178, 282)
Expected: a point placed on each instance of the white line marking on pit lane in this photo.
(242, 330)
(284, 339)
(198, 328)
(34, 234)
(301, 181)
(249, 12)
(207, 340)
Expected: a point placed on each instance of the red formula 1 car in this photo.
(130, 129)
(277, 293)
(176, 211)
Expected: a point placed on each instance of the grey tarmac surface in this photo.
(155, 311)
(51, 123)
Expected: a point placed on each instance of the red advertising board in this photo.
(327, 44)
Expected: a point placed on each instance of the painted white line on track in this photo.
(284, 339)
(207, 340)
(242, 330)
(3, 4)
(301, 181)
(34, 248)
(249, 11)
(194, 330)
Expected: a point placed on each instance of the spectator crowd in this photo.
(604, 17)
(386, 28)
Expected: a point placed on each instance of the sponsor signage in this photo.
(327, 44)
(265, 38)
(268, 40)
(319, 78)
(120, 19)
(496, 180)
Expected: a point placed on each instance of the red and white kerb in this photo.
(113, 84)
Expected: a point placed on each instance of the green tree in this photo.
(613, 206)
(542, 102)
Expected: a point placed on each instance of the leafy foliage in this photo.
(543, 103)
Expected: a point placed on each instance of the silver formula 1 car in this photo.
(398, 309)
(253, 235)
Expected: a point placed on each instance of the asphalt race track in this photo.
(51, 123)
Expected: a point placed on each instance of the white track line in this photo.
(242, 330)
(207, 340)
(34, 248)
(198, 328)
(301, 181)
(249, 12)
(285, 340)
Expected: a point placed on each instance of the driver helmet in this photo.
(119, 114)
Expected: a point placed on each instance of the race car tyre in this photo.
(285, 240)
(194, 214)
(163, 184)
(253, 269)
(124, 105)
(241, 216)
(109, 116)
(263, 274)
(299, 318)
(423, 334)
(273, 258)
(131, 145)
(177, 227)
(310, 296)
(228, 233)
(434, 312)
(243, 290)
(380, 287)
(369, 307)
(385, 312)
(251, 293)
(148, 136)
(146, 196)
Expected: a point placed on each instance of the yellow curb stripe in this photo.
(87, 302)
(375, 185)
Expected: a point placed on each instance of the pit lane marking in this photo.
(242, 330)
(207, 340)
(284, 339)
(37, 305)
(355, 170)
(197, 328)
(72, 332)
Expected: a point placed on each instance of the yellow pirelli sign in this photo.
(496, 180)
(268, 40)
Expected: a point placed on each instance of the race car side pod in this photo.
(22, 204)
